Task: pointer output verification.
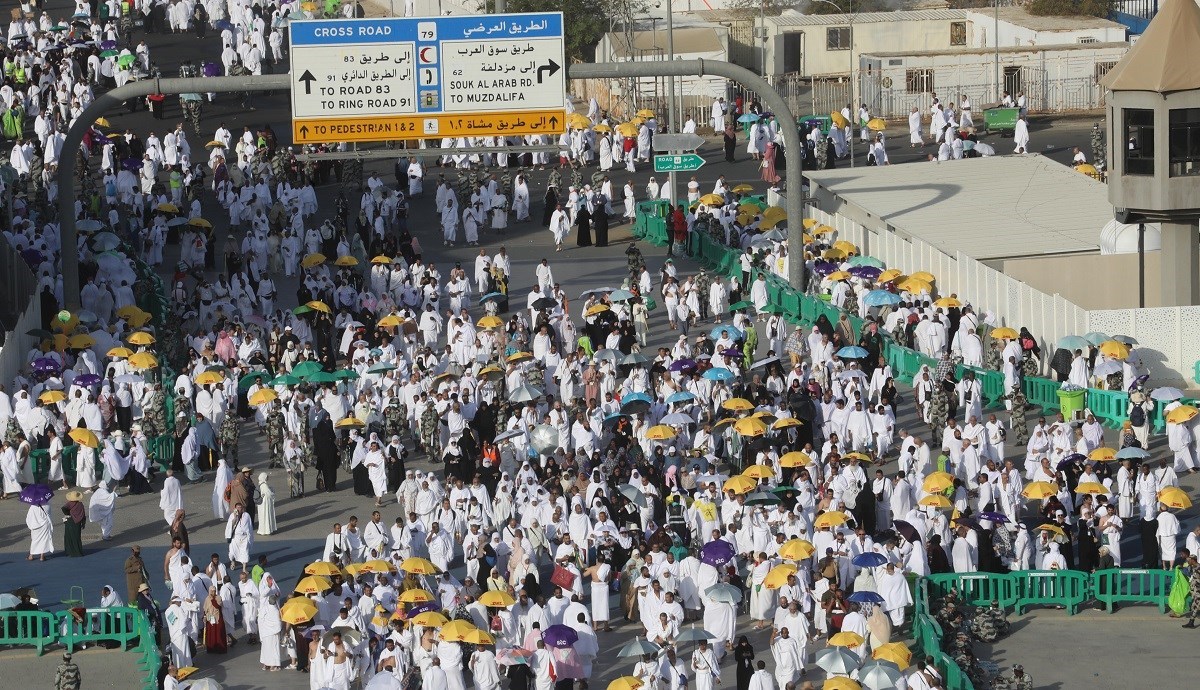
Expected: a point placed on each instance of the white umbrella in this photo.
(879, 674)
(677, 419)
(543, 438)
(202, 684)
(837, 661)
(385, 681)
(1166, 393)
(524, 393)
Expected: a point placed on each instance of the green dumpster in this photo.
(1071, 402)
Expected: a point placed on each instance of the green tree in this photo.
(584, 21)
(1070, 8)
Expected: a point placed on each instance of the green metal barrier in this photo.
(117, 624)
(1128, 586)
(1042, 393)
(1066, 588)
(27, 629)
(1108, 406)
(976, 589)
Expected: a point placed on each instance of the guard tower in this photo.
(1154, 142)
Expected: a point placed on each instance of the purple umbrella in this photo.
(422, 608)
(211, 69)
(32, 257)
(87, 380)
(717, 553)
(682, 365)
(560, 636)
(45, 365)
(823, 267)
(131, 164)
(731, 352)
(868, 272)
(108, 45)
(994, 517)
(36, 494)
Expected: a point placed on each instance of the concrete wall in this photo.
(874, 37)
(1092, 281)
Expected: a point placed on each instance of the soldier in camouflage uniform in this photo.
(576, 180)
(67, 677)
(227, 436)
(1099, 146)
(990, 624)
(427, 424)
(939, 409)
(275, 434)
(183, 414)
(1019, 680)
(634, 263)
(1017, 414)
(964, 657)
(554, 179)
(394, 419)
(703, 284)
(154, 414)
(295, 468)
(993, 359)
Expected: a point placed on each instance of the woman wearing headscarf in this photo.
(266, 509)
(743, 656)
(375, 465)
(102, 508)
(220, 506)
(76, 520)
(214, 624)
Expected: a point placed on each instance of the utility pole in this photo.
(501, 6)
(671, 123)
(996, 41)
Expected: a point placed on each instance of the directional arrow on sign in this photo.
(308, 79)
(553, 122)
(552, 68)
(304, 131)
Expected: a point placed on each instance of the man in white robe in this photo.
(239, 533)
(789, 658)
(270, 628)
(891, 584)
(41, 531)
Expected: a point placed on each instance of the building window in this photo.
(1088, 39)
(837, 38)
(1139, 141)
(1185, 141)
(1101, 70)
(958, 33)
(918, 80)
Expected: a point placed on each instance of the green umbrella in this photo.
(380, 368)
(305, 369)
(866, 261)
(109, 53)
(60, 27)
(248, 380)
(219, 368)
(302, 309)
(126, 60)
(773, 309)
(285, 380)
(740, 305)
(345, 375)
(322, 377)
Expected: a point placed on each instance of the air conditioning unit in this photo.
(760, 32)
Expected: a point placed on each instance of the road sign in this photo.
(688, 162)
(403, 78)
(677, 142)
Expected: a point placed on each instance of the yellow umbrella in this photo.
(186, 672)
(602, 128)
(626, 683)
(390, 321)
(143, 360)
(1103, 454)
(416, 596)
(497, 599)
(200, 223)
(925, 276)
(381, 259)
(739, 485)
(119, 352)
(743, 219)
(1095, 488)
(786, 423)
(808, 223)
(141, 338)
(596, 309)
(298, 610)
(796, 549)
(947, 302)
(774, 214)
(84, 437)
(935, 501)
(318, 305)
(351, 421)
(1174, 497)
(627, 129)
(840, 683)
(807, 238)
(889, 275)
(742, 189)
(578, 120)
(895, 652)
(861, 457)
(876, 124)
(456, 631)
(322, 568)
(838, 275)
(418, 566)
(1053, 529)
(209, 377)
(769, 223)
(911, 284)
(713, 200)
(778, 576)
(138, 320)
(313, 584)
(263, 397)
(490, 321)
(314, 259)
(832, 518)
(1181, 414)
(127, 311)
(519, 356)
(845, 639)
(346, 261)
(167, 208)
(838, 119)
(846, 246)
(822, 230)
(646, 113)
(758, 472)
(1087, 169)
(795, 458)
(750, 426)
(51, 397)
(353, 569)
(1039, 490)
(833, 254)
(478, 636)
(738, 405)
(660, 432)
(430, 619)
(378, 566)
(308, 6)
(1114, 349)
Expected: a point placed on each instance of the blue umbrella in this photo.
(1074, 342)
(719, 374)
(223, 25)
(682, 396)
(852, 352)
(620, 295)
(108, 45)
(1096, 337)
(733, 332)
(865, 597)
(869, 559)
(422, 608)
(633, 404)
(1132, 453)
(881, 298)
(748, 117)
(36, 494)
(611, 420)
(717, 553)
(491, 296)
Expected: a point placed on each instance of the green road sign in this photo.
(684, 162)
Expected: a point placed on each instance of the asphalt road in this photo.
(304, 522)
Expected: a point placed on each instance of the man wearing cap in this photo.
(67, 677)
(135, 574)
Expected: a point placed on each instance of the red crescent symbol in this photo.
(423, 51)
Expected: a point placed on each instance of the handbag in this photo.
(562, 577)
(651, 305)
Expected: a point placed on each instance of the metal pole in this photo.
(108, 101)
(996, 41)
(792, 140)
(672, 177)
(853, 100)
(1141, 265)
(501, 6)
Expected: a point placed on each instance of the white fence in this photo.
(1168, 341)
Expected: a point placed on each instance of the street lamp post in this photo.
(850, 76)
(671, 123)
